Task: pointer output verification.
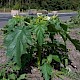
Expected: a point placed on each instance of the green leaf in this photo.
(40, 37)
(63, 32)
(23, 76)
(46, 70)
(49, 58)
(51, 28)
(16, 68)
(39, 29)
(56, 58)
(5, 79)
(17, 41)
(57, 25)
(12, 76)
(54, 24)
(63, 35)
(43, 61)
(64, 26)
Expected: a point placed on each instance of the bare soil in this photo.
(74, 55)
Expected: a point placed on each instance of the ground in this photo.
(74, 55)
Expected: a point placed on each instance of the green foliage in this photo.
(17, 39)
(41, 4)
(46, 70)
(49, 58)
(75, 21)
(73, 75)
(39, 29)
(17, 6)
(36, 35)
(10, 71)
(46, 67)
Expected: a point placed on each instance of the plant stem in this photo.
(39, 55)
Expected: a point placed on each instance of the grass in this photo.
(5, 10)
(9, 10)
(63, 11)
(73, 75)
(1, 40)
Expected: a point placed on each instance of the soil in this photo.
(74, 56)
(2, 50)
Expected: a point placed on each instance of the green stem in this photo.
(39, 55)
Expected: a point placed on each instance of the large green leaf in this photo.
(16, 43)
(39, 29)
(54, 24)
(40, 36)
(13, 23)
(46, 70)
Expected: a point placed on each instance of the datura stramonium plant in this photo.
(36, 35)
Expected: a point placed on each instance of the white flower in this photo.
(47, 18)
(14, 16)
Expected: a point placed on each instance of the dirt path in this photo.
(73, 53)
